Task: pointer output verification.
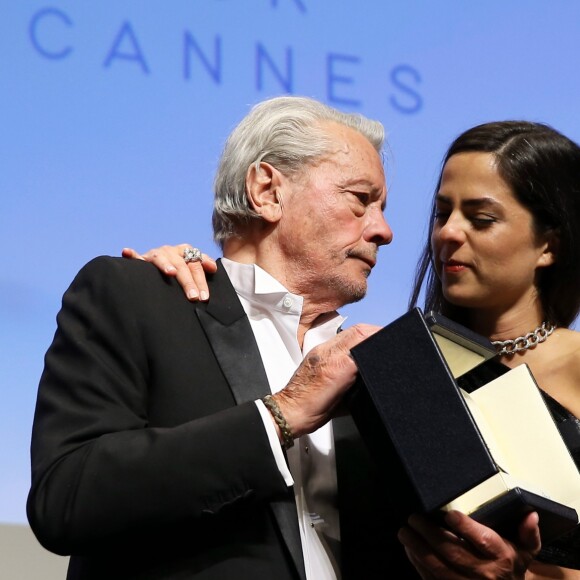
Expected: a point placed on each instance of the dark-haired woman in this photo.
(503, 258)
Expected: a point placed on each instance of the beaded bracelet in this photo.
(272, 406)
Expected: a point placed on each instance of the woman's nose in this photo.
(452, 230)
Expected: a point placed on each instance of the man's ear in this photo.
(550, 249)
(263, 188)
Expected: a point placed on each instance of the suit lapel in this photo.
(232, 340)
(238, 356)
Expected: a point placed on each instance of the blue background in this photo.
(113, 115)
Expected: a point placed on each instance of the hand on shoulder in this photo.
(187, 264)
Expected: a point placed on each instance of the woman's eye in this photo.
(441, 215)
(483, 220)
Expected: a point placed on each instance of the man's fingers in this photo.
(356, 334)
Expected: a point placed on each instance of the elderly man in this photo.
(193, 440)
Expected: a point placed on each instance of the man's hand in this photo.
(170, 260)
(467, 550)
(319, 383)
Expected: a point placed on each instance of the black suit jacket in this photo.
(149, 457)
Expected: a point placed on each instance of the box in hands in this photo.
(449, 427)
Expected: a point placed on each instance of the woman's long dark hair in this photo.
(542, 167)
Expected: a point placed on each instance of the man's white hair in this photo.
(287, 132)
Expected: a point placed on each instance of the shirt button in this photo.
(287, 302)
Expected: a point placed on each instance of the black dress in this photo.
(564, 551)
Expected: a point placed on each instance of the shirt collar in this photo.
(254, 284)
(250, 279)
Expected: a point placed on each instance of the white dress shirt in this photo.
(274, 315)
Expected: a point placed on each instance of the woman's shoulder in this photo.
(568, 341)
(560, 350)
(559, 368)
(565, 352)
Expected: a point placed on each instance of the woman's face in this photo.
(485, 251)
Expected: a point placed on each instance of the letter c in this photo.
(34, 33)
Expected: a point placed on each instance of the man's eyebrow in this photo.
(359, 181)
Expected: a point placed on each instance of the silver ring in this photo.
(192, 255)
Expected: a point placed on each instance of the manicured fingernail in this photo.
(192, 294)
(170, 269)
(204, 295)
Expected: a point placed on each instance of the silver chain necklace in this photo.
(529, 340)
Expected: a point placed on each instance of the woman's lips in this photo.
(453, 267)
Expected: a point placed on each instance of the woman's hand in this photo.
(467, 550)
(171, 261)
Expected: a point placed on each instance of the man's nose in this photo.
(379, 231)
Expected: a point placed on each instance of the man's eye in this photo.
(362, 197)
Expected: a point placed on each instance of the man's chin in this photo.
(353, 292)
(343, 286)
(357, 297)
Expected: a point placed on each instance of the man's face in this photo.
(332, 221)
